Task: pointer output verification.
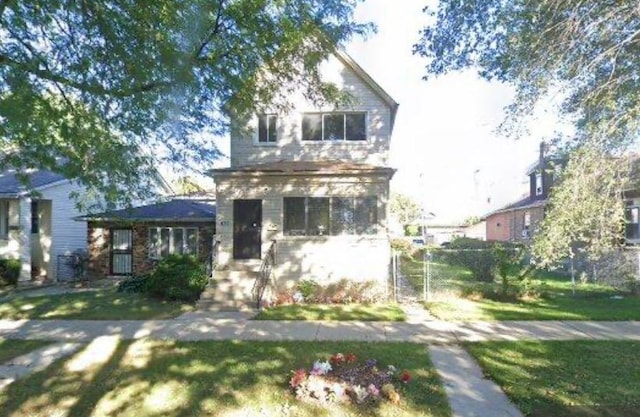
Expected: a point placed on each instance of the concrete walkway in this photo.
(470, 394)
(34, 361)
(225, 326)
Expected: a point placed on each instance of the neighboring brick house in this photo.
(132, 241)
(518, 221)
(314, 182)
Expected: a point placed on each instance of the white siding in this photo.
(290, 147)
(67, 234)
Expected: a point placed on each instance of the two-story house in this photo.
(310, 186)
(517, 221)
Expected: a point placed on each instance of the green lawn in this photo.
(165, 378)
(10, 348)
(565, 378)
(587, 302)
(365, 312)
(93, 305)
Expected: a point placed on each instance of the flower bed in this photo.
(345, 379)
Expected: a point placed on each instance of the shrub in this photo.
(475, 255)
(308, 288)
(404, 246)
(9, 271)
(134, 284)
(178, 277)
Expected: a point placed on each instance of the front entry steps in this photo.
(229, 290)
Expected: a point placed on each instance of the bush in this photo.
(404, 246)
(9, 271)
(476, 255)
(340, 292)
(308, 288)
(136, 284)
(178, 277)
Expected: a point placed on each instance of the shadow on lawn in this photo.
(145, 377)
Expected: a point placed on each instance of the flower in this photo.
(360, 393)
(389, 391)
(405, 376)
(371, 363)
(298, 377)
(337, 358)
(338, 391)
(351, 358)
(373, 390)
(392, 370)
(298, 297)
(321, 368)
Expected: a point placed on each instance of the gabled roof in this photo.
(11, 185)
(524, 203)
(172, 210)
(367, 79)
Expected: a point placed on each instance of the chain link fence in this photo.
(438, 273)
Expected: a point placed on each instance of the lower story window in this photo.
(632, 227)
(319, 216)
(165, 241)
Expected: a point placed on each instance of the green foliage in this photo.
(134, 285)
(586, 213)
(475, 255)
(308, 288)
(596, 71)
(178, 277)
(9, 271)
(411, 230)
(404, 209)
(404, 246)
(86, 85)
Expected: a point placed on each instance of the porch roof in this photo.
(11, 185)
(177, 210)
(308, 167)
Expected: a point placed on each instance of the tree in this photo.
(587, 53)
(101, 90)
(187, 185)
(587, 212)
(404, 208)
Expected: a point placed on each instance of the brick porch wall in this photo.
(98, 240)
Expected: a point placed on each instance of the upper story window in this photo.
(35, 218)
(267, 128)
(539, 183)
(334, 126)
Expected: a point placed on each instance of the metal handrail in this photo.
(264, 275)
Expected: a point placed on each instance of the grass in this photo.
(562, 301)
(577, 378)
(363, 312)
(220, 378)
(10, 348)
(91, 305)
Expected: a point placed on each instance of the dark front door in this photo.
(121, 251)
(247, 228)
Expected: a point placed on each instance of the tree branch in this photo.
(86, 87)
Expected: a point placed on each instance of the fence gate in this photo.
(121, 251)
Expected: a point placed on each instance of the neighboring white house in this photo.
(314, 182)
(38, 225)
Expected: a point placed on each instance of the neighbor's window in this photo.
(526, 220)
(539, 188)
(35, 219)
(164, 241)
(334, 126)
(632, 226)
(267, 128)
(4, 219)
(320, 216)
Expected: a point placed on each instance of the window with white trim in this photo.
(267, 128)
(539, 188)
(4, 219)
(165, 241)
(334, 126)
(320, 216)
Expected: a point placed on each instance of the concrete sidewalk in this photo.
(233, 326)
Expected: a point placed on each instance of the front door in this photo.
(247, 229)
(121, 251)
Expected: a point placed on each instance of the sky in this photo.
(444, 146)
